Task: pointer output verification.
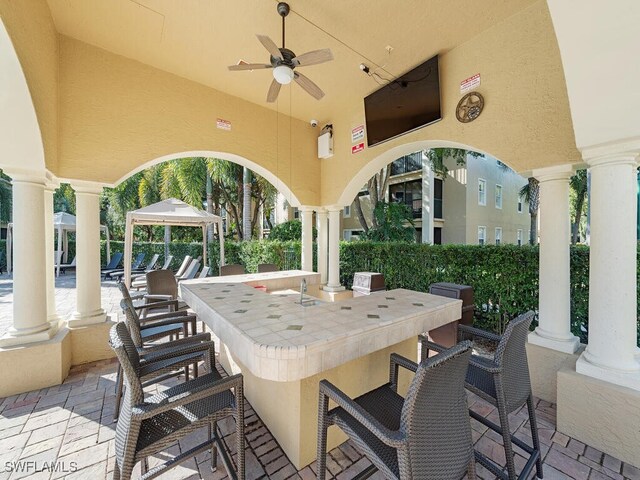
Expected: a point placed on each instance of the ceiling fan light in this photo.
(283, 74)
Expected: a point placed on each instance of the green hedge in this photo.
(504, 278)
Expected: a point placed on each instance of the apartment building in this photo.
(476, 202)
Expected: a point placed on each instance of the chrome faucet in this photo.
(303, 289)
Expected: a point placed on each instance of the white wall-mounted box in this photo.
(325, 145)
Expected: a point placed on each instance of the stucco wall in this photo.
(489, 216)
(35, 40)
(526, 121)
(117, 114)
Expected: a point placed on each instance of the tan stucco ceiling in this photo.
(197, 39)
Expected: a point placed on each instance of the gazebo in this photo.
(172, 212)
(63, 223)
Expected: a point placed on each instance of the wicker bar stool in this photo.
(504, 382)
(150, 425)
(426, 435)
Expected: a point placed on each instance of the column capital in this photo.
(87, 188)
(322, 212)
(306, 209)
(556, 172)
(22, 175)
(624, 147)
(334, 208)
(621, 158)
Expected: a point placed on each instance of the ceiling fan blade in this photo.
(270, 45)
(274, 90)
(308, 86)
(249, 66)
(313, 58)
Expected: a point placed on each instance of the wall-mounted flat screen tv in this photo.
(404, 104)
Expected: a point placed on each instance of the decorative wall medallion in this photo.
(469, 107)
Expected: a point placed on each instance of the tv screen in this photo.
(404, 104)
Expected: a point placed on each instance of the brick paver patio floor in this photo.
(70, 427)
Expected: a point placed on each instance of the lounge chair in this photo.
(149, 267)
(191, 271)
(139, 282)
(204, 272)
(134, 266)
(116, 258)
(185, 263)
(68, 266)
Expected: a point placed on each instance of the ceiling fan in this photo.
(284, 62)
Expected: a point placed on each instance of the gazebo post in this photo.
(204, 245)
(9, 241)
(59, 251)
(128, 245)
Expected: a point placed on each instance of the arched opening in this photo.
(385, 158)
(436, 192)
(20, 137)
(279, 184)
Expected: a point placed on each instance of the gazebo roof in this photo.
(171, 212)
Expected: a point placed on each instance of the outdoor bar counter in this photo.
(284, 349)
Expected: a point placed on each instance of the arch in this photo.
(20, 136)
(388, 156)
(280, 185)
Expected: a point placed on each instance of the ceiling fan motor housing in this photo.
(283, 9)
(287, 58)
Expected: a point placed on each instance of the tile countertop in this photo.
(278, 339)
(283, 277)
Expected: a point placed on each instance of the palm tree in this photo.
(246, 204)
(531, 194)
(579, 187)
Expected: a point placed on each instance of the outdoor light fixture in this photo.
(283, 74)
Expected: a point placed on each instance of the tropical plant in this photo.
(391, 220)
(287, 231)
(6, 198)
(531, 194)
(579, 187)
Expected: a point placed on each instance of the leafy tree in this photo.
(392, 219)
(64, 199)
(287, 231)
(6, 197)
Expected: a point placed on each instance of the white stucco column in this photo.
(29, 263)
(554, 302)
(323, 231)
(333, 281)
(52, 315)
(88, 306)
(427, 201)
(611, 354)
(306, 214)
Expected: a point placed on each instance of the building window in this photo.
(346, 212)
(499, 196)
(408, 163)
(519, 204)
(296, 213)
(437, 235)
(498, 235)
(519, 237)
(482, 235)
(482, 191)
(409, 193)
(437, 198)
(351, 234)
